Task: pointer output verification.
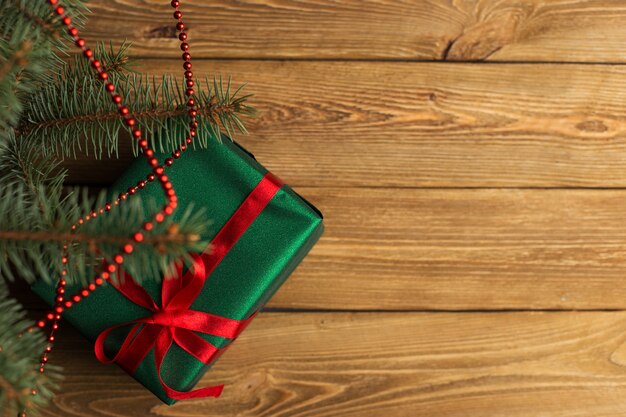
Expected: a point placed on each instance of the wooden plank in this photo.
(425, 125)
(498, 30)
(462, 250)
(396, 365)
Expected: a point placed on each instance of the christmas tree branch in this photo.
(47, 236)
(83, 117)
(19, 356)
(213, 112)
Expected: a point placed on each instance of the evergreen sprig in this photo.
(19, 362)
(74, 113)
(34, 230)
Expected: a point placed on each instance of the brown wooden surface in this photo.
(498, 30)
(425, 125)
(482, 186)
(391, 364)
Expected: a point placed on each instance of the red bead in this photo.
(68, 304)
(62, 283)
(188, 74)
(141, 184)
(58, 310)
(192, 132)
(111, 268)
(95, 63)
(158, 170)
(190, 83)
(186, 56)
(189, 91)
(168, 186)
(188, 140)
(99, 281)
(48, 349)
(72, 31)
(168, 210)
(175, 3)
(84, 293)
(138, 237)
(151, 177)
(80, 42)
(159, 217)
(50, 316)
(182, 36)
(103, 75)
(61, 291)
(131, 190)
(177, 14)
(183, 147)
(136, 133)
(169, 161)
(41, 324)
(91, 287)
(51, 339)
(52, 2)
(123, 110)
(118, 259)
(110, 88)
(55, 326)
(130, 122)
(176, 154)
(171, 192)
(163, 179)
(148, 226)
(57, 317)
(187, 65)
(153, 162)
(191, 102)
(59, 299)
(59, 10)
(184, 46)
(149, 153)
(88, 53)
(180, 26)
(128, 248)
(66, 20)
(143, 143)
(107, 206)
(76, 298)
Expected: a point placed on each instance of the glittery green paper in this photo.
(219, 179)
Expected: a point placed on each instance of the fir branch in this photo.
(33, 233)
(158, 241)
(82, 117)
(19, 357)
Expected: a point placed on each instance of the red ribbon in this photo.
(173, 321)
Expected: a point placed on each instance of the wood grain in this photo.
(425, 125)
(464, 250)
(497, 30)
(391, 364)
(461, 250)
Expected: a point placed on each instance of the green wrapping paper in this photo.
(219, 179)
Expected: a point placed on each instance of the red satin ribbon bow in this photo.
(174, 322)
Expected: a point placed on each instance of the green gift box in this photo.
(223, 178)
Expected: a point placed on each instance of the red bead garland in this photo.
(61, 303)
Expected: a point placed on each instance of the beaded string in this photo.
(158, 172)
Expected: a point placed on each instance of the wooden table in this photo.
(470, 158)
